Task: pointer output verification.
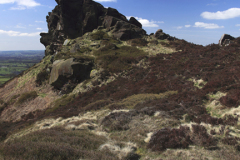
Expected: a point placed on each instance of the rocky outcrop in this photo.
(125, 31)
(161, 35)
(225, 40)
(71, 69)
(73, 18)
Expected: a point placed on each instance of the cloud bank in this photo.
(207, 25)
(146, 22)
(227, 14)
(16, 33)
(21, 4)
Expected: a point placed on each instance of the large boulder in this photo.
(73, 18)
(162, 36)
(225, 40)
(125, 31)
(71, 69)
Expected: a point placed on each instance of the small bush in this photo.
(26, 96)
(170, 138)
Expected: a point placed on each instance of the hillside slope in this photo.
(100, 96)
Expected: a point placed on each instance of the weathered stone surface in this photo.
(70, 69)
(225, 40)
(73, 18)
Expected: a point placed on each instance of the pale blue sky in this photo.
(198, 21)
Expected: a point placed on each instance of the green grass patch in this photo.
(42, 95)
(3, 80)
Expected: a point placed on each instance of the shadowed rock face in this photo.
(73, 18)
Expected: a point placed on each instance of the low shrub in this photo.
(201, 137)
(26, 96)
(181, 138)
(170, 138)
(56, 144)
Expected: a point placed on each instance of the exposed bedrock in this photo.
(73, 18)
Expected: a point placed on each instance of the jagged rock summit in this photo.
(73, 18)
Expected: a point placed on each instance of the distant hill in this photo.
(22, 53)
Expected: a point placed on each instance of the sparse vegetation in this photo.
(26, 96)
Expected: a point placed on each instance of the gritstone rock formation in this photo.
(161, 35)
(73, 18)
(225, 40)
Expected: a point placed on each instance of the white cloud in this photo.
(207, 25)
(227, 14)
(39, 21)
(38, 28)
(18, 8)
(237, 25)
(146, 22)
(6, 1)
(212, 4)
(106, 0)
(21, 4)
(20, 26)
(179, 27)
(16, 33)
(187, 26)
